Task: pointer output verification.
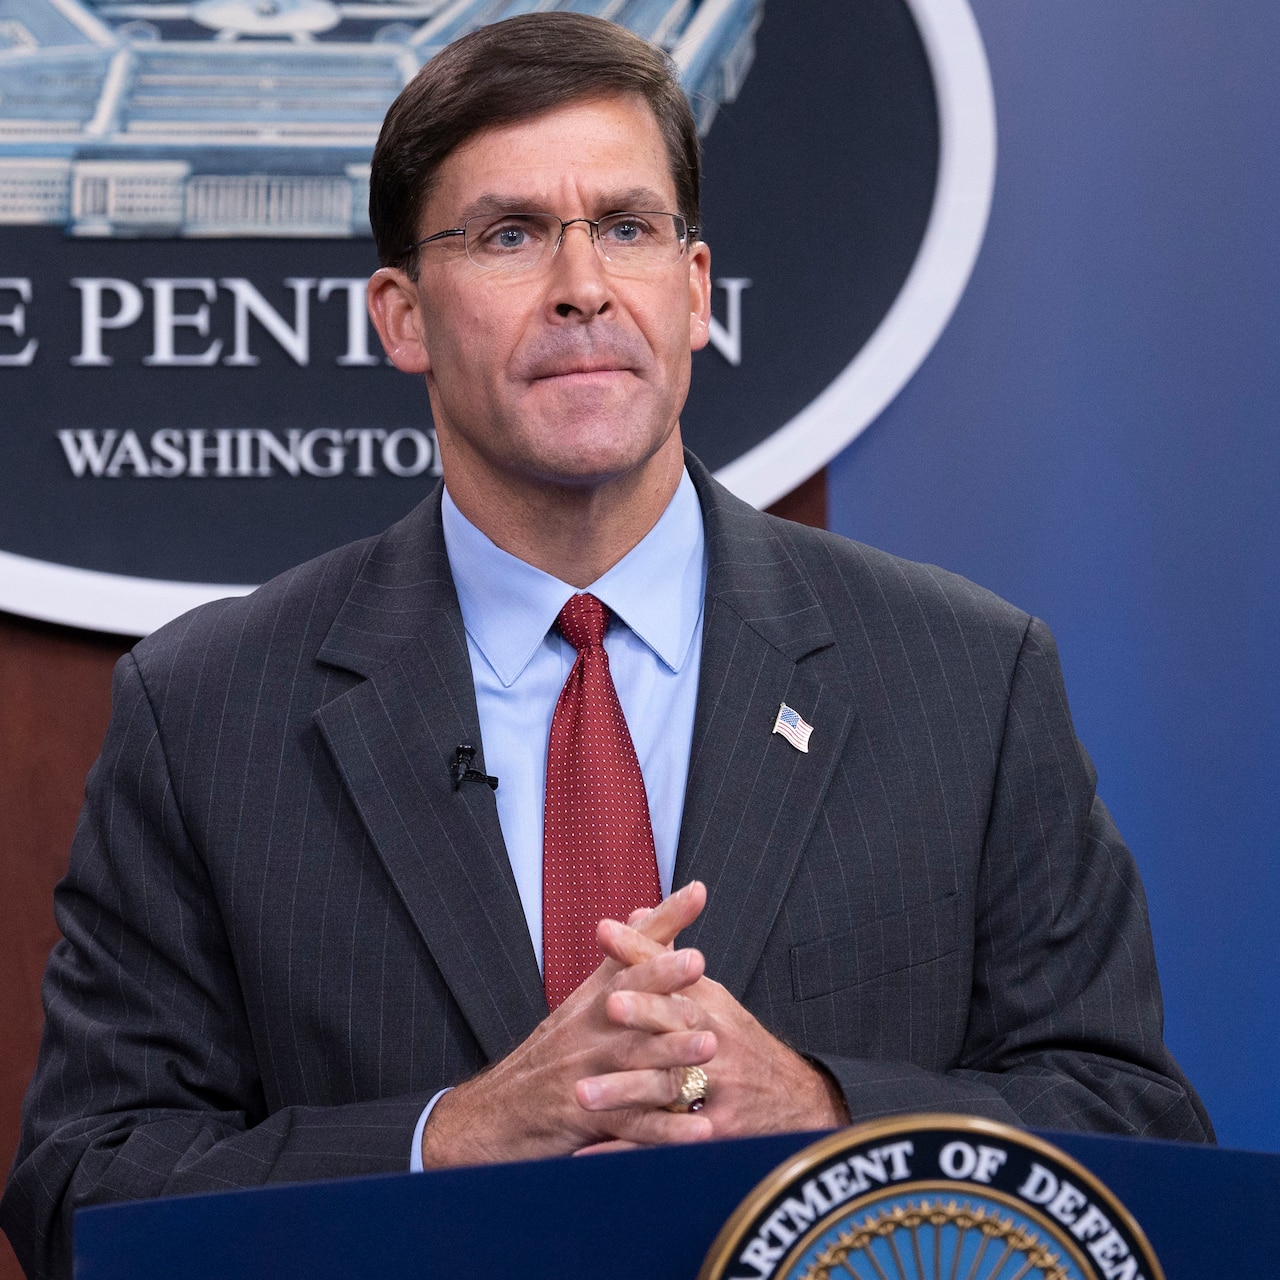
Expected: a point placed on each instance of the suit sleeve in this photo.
(1065, 1027)
(147, 1082)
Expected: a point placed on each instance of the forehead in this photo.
(588, 152)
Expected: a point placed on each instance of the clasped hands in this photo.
(598, 1073)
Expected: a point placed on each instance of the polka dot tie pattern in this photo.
(597, 851)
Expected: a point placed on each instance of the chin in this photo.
(581, 448)
(586, 472)
(593, 461)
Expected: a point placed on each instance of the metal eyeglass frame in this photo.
(690, 229)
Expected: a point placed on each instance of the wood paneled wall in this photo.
(55, 697)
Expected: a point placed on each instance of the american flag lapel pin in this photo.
(792, 727)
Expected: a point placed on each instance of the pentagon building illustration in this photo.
(258, 117)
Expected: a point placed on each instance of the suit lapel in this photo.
(752, 798)
(392, 738)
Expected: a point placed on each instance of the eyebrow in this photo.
(632, 199)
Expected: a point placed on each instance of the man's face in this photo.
(568, 374)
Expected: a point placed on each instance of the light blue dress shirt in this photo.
(519, 665)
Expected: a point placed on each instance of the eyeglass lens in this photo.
(520, 241)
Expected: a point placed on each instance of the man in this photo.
(305, 938)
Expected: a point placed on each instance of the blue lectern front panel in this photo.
(644, 1215)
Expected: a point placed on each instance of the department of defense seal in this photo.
(931, 1197)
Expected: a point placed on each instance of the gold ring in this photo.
(693, 1091)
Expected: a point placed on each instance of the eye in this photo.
(511, 234)
(625, 229)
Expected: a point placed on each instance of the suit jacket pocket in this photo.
(879, 947)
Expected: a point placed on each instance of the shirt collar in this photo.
(508, 606)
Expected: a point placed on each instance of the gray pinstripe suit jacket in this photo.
(284, 930)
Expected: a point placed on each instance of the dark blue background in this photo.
(1095, 437)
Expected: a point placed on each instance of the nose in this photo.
(586, 224)
(578, 285)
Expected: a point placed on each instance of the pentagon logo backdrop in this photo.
(191, 396)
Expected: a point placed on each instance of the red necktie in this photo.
(597, 844)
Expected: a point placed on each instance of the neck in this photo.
(574, 532)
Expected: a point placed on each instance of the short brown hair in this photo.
(507, 72)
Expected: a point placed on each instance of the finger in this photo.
(605, 1148)
(649, 1128)
(657, 925)
(625, 944)
(663, 974)
(638, 1052)
(621, 1089)
(641, 1011)
(674, 913)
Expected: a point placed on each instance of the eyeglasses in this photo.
(513, 242)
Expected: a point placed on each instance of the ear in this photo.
(395, 307)
(699, 296)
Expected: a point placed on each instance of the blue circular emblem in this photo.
(931, 1197)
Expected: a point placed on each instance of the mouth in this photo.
(586, 373)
